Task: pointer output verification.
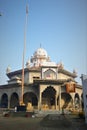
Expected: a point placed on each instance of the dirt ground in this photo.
(19, 123)
(50, 122)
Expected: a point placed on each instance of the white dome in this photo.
(39, 57)
(40, 52)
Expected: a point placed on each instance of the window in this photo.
(36, 77)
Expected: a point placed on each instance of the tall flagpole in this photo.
(24, 49)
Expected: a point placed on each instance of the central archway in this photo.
(66, 100)
(48, 98)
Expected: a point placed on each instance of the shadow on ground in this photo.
(55, 121)
(62, 122)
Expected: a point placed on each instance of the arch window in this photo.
(49, 74)
(30, 98)
(4, 101)
(14, 100)
(77, 101)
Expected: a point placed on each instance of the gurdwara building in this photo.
(47, 85)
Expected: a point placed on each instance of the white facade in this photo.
(47, 85)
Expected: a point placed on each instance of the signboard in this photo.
(70, 87)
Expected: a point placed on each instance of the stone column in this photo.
(40, 99)
(59, 97)
(80, 101)
(73, 98)
(56, 101)
(20, 97)
(8, 102)
(56, 96)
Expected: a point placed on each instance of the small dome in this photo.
(60, 65)
(8, 70)
(28, 63)
(74, 71)
(40, 52)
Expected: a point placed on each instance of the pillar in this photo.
(8, 102)
(59, 97)
(56, 96)
(56, 101)
(73, 96)
(40, 99)
(20, 98)
(80, 107)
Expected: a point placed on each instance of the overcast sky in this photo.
(60, 26)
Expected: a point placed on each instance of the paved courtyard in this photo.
(49, 122)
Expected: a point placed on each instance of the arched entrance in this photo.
(30, 100)
(77, 101)
(66, 101)
(48, 98)
(14, 100)
(4, 101)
